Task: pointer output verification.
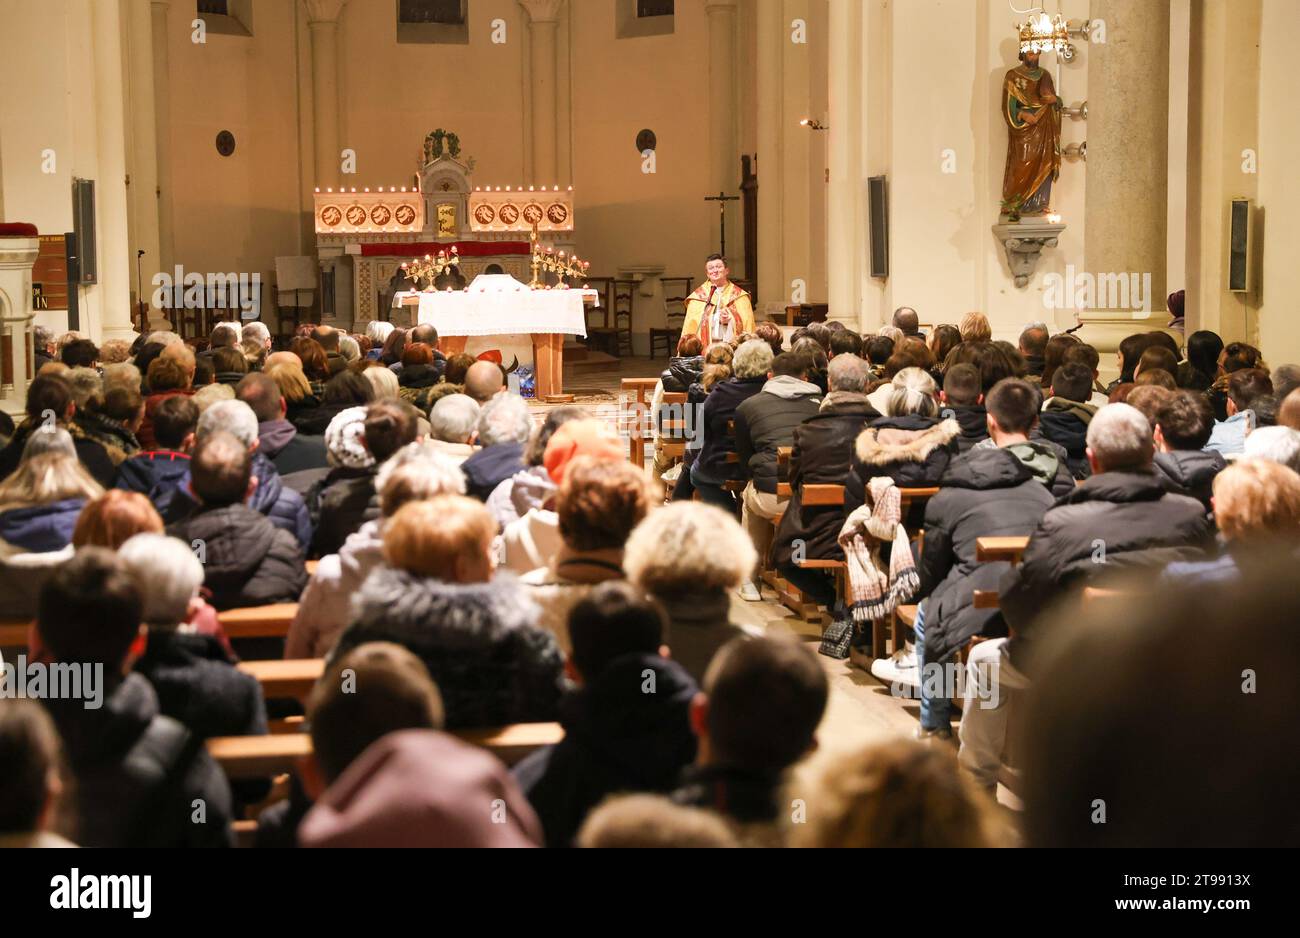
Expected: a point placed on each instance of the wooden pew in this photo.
(258, 621)
(267, 756)
(14, 634)
(1009, 549)
(641, 391)
(292, 679)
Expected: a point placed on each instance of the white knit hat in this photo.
(344, 440)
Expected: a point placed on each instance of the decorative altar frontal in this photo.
(501, 305)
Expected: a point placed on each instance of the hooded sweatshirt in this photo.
(767, 421)
(422, 788)
(616, 739)
(1066, 422)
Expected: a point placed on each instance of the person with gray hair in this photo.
(197, 682)
(846, 374)
(893, 333)
(378, 331)
(224, 335)
(710, 471)
(416, 472)
(164, 337)
(349, 348)
(1286, 378)
(1275, 444)
(50, 439)
(1120, 520)
(281, 505)
(503, 428)
(452, 424)
(256, 331)
(44, 346)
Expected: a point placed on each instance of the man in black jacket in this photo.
(764, 423)
(989, 492)
(1120, 520)
(280, 442)
(820, 456)
(618, 737)
(142, 780)
(247, 561)
(1183, 427)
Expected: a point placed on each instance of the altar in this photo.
(365, 234)
(501, 307)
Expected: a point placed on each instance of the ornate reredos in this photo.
(445, 180)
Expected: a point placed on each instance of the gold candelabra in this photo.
(547, 261)
(431, 267)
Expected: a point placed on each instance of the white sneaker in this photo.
(890, 671)
(749, 592)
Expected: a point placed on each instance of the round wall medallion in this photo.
(646, 140)
(225, 143)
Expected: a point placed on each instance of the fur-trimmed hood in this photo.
(478, 640)
(904, 439)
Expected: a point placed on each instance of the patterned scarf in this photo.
(873, 592)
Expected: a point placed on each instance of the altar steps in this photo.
(580, 360)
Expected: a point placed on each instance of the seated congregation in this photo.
(356, 593)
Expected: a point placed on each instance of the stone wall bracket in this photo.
(1024, 242)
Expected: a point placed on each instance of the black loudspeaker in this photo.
(83, 222)
(878, 209)
(1239, 246)
(74, 293)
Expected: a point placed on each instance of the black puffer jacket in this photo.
(913, 451)
(719, 410)
(198, 685)
(767, 421)
(681, 373)
(247, 561)
(479, 641)
(617, 738)
(138, 773)
(986, 493)
(1113, 523)
(340, 504)
(822, 448)
(1191, 472)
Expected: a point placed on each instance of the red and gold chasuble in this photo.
(704, 306)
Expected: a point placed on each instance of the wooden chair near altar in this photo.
(675, 307)
(602, 336)
(623, 307)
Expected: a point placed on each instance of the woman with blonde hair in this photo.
(974, 327)
(898, 793)
(437, 597)
(39, 505)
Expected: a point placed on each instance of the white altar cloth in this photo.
(498, 304)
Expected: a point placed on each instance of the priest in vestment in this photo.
(718, 310)
(1033, 117)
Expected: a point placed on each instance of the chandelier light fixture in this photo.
(1041, 34)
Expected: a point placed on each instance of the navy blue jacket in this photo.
(40, 529)
(154, 472)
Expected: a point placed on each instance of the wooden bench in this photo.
(291, 679)
(14, 634)
(641, 391)
(267, 756)
(258, 621)
(1009, 549)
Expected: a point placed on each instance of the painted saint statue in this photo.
(718, 310)
(1033, 116)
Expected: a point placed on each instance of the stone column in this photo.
(1126, 198)
(323, 20)
(115, 254)
(773, 284)
(17, 255)
(543, 23)
(163, 136)
(146, 233)
(846, 243)
(724, 147)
